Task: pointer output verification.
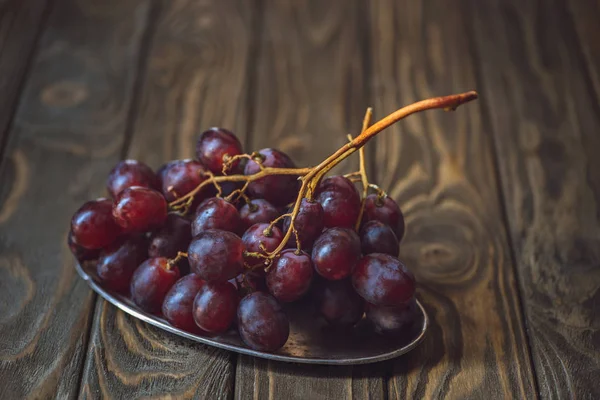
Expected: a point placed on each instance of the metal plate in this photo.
(310, 341)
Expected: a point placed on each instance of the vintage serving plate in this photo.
(310, 342)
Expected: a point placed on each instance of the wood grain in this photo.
(311, 91)
(439, 167)
(20, 24)
(66, 135)
(196, 77)
(545, 119)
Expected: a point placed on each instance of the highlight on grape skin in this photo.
(225, 242)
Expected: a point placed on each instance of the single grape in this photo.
(256, 211)
(386, 210)
(383, 280)
(253, 281)
(215, 307)
(336, 252)
(174, 236)
(340, 201)
(118, 262)
(308, 223)
(81, 253)
(216, 255)
(279, 190)
(338, 303)
(151, 282)
(93, 225)
(213, 145)
(139, 209)
(290, 276)
(179, 177)
(178, 306)
(216, 213)
(262, 322)
(393, 320)
(254, 236)
(128, 173)
(377, 237)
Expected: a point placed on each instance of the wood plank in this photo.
(545, 119)
(20, 24)
(67, 133)
(439, 167)
(196, 78)
(311, 92)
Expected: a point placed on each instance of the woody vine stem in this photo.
(311, 177)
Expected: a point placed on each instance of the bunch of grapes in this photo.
(226, 241)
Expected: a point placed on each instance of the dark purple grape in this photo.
(213, 145)
(257, 234)
(308, 223)
(216, 213)
(383, 280)
(279, 190)
(253, 281)
(385, 210)
(174, 236)
(216, 255)
(81, 253)
(338, 303)
(257, 211)
(151, 282)
(340, 201)
(393, 320)
(177, 308)
(215, 307)
(93, 225)
(335, 253)
(179, 177)
(139, 209)
(262, 322)
(290, 276)
(118, 262)
(377, 237)
(128, 173)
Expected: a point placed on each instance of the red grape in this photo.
(262, 322)
(81, 253)
(290, 276)
(118, 262)
(338, 303)
(385, 210)
(216, 213)
(340, 201)
(178, 305)
(257, 234)
(139, 209)
(257, 210)
(377, 237)
(383, 280)
(213, 145)
(215, 306)
(179, 177)
(279, 190)
(253, 281)
(151, 281)
(216, 255)
(335, 253)
(128, 173)
(392, 320)
(308, 223)
(93, 225)
(174, 236)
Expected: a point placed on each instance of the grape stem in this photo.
(311, 177)
(363, 168)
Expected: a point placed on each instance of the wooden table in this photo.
(502, 197)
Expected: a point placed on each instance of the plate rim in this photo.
(155, 321)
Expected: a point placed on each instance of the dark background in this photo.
(501, 197)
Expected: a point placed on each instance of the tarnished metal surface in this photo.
(310, 341)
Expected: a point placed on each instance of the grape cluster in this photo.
(224, 260)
